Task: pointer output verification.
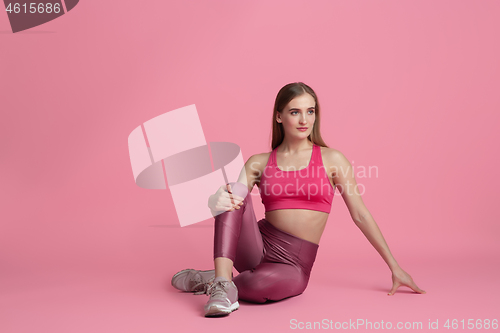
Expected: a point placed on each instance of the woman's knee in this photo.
(239, 189)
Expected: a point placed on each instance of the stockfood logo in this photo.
(26, 15)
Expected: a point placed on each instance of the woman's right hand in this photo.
(224, 200)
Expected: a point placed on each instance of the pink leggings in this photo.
(273, 264)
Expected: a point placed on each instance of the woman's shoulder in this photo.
(329, 152)
(259, 160)
(333, 158)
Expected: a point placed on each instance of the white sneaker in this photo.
(193, 280)
(223, 298)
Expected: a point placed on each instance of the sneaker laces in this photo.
(197, 284)
(217, 289)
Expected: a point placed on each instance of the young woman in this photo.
(296, 181)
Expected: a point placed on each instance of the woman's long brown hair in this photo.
(285, 95)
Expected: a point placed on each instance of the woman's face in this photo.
(300, 112)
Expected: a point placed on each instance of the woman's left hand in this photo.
(401, 278)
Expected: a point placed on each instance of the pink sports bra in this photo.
(307, 188)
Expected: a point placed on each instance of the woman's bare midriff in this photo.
(303, 223)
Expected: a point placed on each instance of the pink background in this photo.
(410, 87)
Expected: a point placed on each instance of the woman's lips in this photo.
(302, 129)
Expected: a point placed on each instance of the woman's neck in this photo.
(288, 147)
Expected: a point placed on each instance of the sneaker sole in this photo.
(215, 310)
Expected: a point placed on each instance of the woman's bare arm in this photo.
(224, 199)
(343, 176)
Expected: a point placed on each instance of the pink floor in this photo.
(346, 286)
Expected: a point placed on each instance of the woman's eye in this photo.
(298, 112)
